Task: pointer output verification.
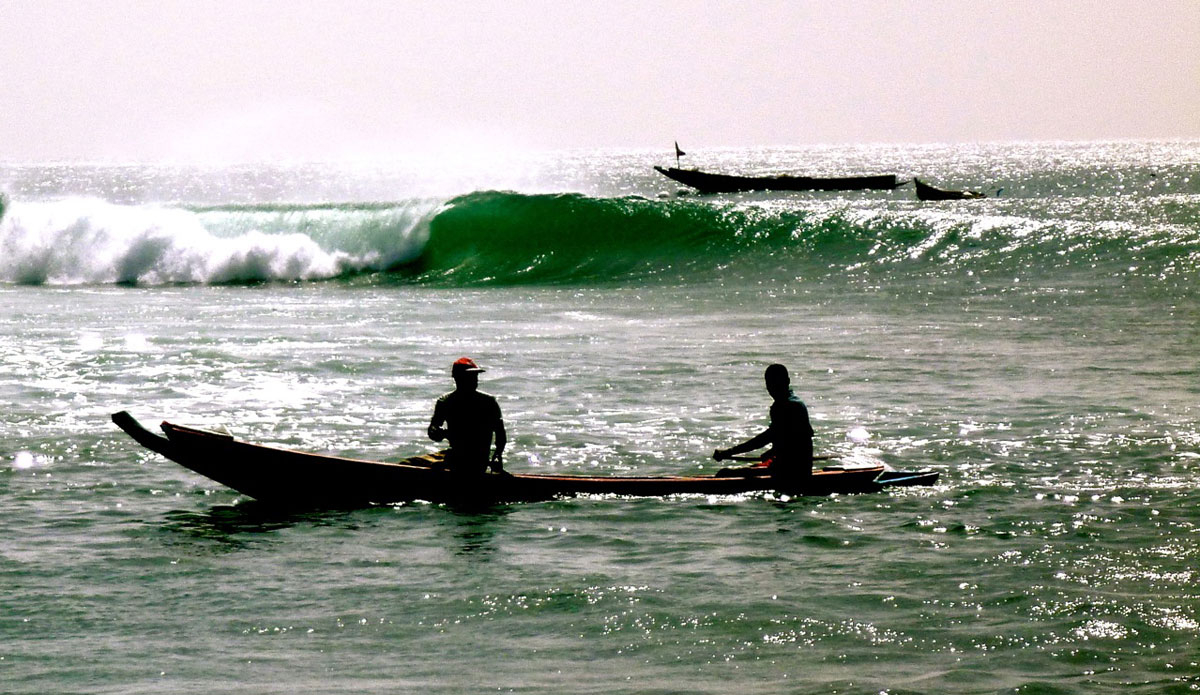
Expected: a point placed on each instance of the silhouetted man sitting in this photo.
(469, 418)
(790, 435)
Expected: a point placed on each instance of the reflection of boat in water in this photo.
(706, 182)
(298, 479)
(927, 192)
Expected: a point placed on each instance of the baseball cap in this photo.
(465, 365)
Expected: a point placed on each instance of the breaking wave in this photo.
(88, 241)
(509, 238)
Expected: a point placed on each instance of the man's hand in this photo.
(497, 462)
(436, 433)
(720, 455)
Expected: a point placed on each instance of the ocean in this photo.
(1038, 348)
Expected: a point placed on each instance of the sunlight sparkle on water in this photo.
(90, 342)
(858, 434)
(24, 460)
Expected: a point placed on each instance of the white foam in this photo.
(89, 241)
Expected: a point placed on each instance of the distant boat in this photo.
(927, 192)
(707, 182)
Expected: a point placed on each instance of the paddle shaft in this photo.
(755, 458)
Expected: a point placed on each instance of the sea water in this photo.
(1037, 348)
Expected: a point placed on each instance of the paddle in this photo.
(758, 460)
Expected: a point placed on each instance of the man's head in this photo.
(466, 373)
(778, 382)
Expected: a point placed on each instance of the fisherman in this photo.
(468, 418)
(790, 434)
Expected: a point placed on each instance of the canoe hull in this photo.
(927, 192)
(300, 479)
(707, 182)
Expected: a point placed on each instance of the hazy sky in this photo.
(252, 79)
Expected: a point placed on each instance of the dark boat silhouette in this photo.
(707, 182)
(927, 192)
(301, 479)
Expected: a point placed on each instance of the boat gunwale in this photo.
(228, 439)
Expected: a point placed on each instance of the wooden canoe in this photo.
(927, 192)
(707, 182)
(299, 479)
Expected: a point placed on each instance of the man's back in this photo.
(471, 418)
(791, 435)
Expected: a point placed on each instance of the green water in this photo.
(1037, 350)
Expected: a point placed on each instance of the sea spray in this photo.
(89, 241)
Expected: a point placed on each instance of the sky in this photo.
(252, 80)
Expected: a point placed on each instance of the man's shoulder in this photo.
(791, 403)
(473, 397)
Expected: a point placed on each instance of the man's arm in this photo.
(501, 441)
(436, 431)
(757, 442)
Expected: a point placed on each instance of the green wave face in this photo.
(508, 238)
(504, 238)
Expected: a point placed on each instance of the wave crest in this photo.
(490, 237)
(88, 241)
